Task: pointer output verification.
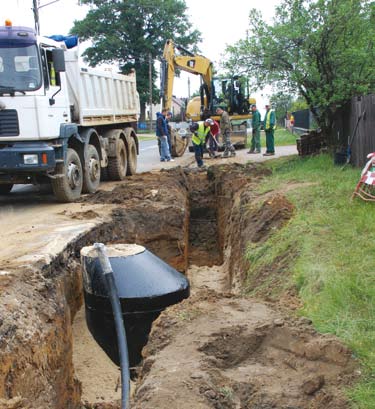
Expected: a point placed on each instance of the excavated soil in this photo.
(221, 351)
(216, 349)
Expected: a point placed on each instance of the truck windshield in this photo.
(19, 69)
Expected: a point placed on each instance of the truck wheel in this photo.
(117, 166)
(69, 187)
(5, 189)
(91, 174)
(132, 158)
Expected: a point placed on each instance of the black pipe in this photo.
(119, 323)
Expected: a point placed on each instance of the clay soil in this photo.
(217, 349)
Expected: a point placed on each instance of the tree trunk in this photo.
(327, 128)
(142, 117)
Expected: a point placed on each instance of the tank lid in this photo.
(114, 250)
(144, 281)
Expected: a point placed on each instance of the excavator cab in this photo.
(231, 93)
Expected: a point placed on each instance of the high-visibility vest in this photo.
(268, 124)
(199, 137)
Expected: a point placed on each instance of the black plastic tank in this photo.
(146, 285)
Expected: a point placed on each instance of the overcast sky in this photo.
(220, 24)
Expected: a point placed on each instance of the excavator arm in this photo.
(194, 64)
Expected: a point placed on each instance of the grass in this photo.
(333, 257)
(283, 137)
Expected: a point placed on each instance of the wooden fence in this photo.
(355, 124)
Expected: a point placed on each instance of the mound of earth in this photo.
(225, 352)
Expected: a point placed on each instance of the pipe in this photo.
(119, 323)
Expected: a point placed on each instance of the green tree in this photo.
(322, 50)
(128, 32)
(282, 103)
(298, 105)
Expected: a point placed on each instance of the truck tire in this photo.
(117, 166)
(132, 158)
(91, 174)
(69, 187)
(5, 189)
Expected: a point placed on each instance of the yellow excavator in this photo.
(230, 93)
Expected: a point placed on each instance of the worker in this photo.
(162, 135)
(226, 129)
(212, 140)
(269, 127)
(291, 122)
(255, 125)
(200, 132)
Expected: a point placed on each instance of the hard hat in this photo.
(209, 121)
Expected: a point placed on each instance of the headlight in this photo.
(30, 159)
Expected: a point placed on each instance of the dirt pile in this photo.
(36, 343)
(151, 209)
(221, 351)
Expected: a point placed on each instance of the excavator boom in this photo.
(194, 64)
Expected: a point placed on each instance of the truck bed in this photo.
(100, 97)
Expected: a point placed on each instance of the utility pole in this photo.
(150, 85)
(36, 7)
(36, 16)
(189, 87)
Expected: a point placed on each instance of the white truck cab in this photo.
(61, 122)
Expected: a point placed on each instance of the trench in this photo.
(205, 248)
(184, 232)
(199, 222)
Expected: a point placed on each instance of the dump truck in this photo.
(60, 122)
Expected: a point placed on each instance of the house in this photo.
(178, 109)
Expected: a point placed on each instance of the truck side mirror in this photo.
(58, 60)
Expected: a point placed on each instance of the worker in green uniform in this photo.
(269, 127)
(255, 124)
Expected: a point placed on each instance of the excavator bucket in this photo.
(365, 188)
(179, 143)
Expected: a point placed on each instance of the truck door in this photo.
(51, 115)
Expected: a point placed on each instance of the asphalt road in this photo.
(148, 155)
